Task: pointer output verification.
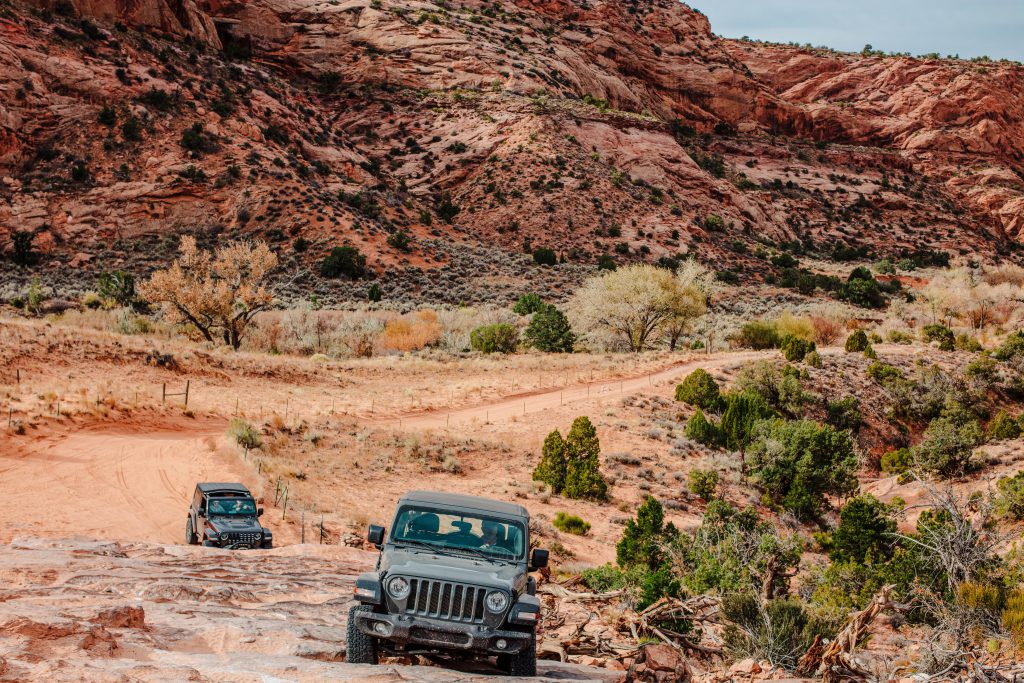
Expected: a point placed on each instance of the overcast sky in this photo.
(969, 28)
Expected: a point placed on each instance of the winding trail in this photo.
(540, 402)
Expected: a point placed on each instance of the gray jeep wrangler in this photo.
(452, 578)
(226, 516)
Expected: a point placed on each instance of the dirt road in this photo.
(536, 403)
(118, 482)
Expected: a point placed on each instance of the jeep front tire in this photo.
(190, 534)
(523, 663)
(360, 648)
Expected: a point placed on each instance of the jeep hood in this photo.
(468, 569)
(235, 524)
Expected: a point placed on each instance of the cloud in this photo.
(970, 29)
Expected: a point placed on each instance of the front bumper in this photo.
(444, 635)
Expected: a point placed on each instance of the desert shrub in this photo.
(940, 334)
(552, 465)
(583, 477)
(813, 359)
(570, 524)
(789, 325)
(796, 349)
(22, 249)
(528, 304)
(899, 337)
(857, 342)
(898, 461)
(375, 293)
(743, 411)
(543, 256)
(400, 240)
(643, 539)
(496, 338)
(703, 483)
(757, 335)
(982, 373)
(778, 385)
(244, 434)
(863, 292)
(411, 332)
(1010, 499)
(1012, 618)
(1003, 426)
(117, 286)
(948, 445)
(1011, 347)
(346, 260)
(826, 330)
(197, 141)
(844, 413)
(884, 373)
(965, 342)
(549, 331)
(699, 389)
(864, 533)
(571, 466)
(714, 223)
(779, 631)
(703, 431)
(799, 463)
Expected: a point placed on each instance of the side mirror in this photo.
(539, 558)
(259, 512)
(375, 535)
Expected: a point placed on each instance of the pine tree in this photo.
(551, 468)
(549, 331)
(643, 537)
(699, 429)
(583, 477)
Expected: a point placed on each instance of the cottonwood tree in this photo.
(214, 294)
(695, 286)
(632, 307)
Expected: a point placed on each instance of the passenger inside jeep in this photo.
(231, 507)
(501, 538)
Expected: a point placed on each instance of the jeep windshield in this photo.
(490, 537)
(231, 507)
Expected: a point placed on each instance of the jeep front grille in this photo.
(250, 538)
(446, 600)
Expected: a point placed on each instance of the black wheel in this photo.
(360, 648)
(190, 534)
(522, 663)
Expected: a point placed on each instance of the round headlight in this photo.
(496, 601)
(398, 588)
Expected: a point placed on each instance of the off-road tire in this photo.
(523, 663)
(359, 648)
(190, 533)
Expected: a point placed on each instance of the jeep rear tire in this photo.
(522, 663)
(360, 648)
(190, 534)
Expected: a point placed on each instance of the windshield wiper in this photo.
(480, 553)
(419, 544)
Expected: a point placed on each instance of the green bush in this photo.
(583, 477)
(857, 342)
(1011, 347)
(844, 413)
(1003, 426)
(346, 260)
(701, 430)
(778, 385)
(117, 286)
(644, 538)
(400, 240)
(496, 338)
(813, 359)
(743, 411)
(884, 373)
(549, 331)
(865, 532)
(571, 524)
(714, 223)
(948, 445)
(863, 293)
(543, 256)
(703, 483)
(941, 334)
(552, 465)
(699, 389)
(898, 461)
(527, 304)
(796, 349)
(965, 342)
(799, 463)
(757, 335)
(1010, 499)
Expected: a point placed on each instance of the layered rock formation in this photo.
(601, 127)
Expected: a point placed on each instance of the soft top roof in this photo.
(461, 501)
(208, 487)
